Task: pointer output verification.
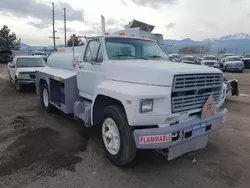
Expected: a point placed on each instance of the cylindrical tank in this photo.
(63, 58)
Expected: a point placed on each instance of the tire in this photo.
(46, 104)
(10, 77)
(225, 69)
(18, 86)
(127, 148)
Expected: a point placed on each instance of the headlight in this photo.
(146, 105)
(23, 76)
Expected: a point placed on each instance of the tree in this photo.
(77, 41)
(8, 41)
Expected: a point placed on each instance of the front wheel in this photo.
(117, 136)
(18, 86)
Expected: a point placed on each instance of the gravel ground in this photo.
(43, 150)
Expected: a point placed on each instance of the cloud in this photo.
(211, 25)
(39, 24)
(154, 3)
(39, 10)
(170, 25)
(68, 29)
(111, 21)
(116, 22)
(124, 3)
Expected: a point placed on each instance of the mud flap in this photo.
(188, 146)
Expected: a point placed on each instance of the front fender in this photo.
(129, 94)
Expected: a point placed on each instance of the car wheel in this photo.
(44, 98)
(224, 68)
(117, 136)
(10, 79)
(18, 86)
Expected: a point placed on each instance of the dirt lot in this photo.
(43, 150)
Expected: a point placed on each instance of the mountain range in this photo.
(237, 43)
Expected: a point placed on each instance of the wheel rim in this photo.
(45, 97)
(111, 136)
(17, 86)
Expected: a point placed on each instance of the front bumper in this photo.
(235, 68)
(180, 138)
(22, 81)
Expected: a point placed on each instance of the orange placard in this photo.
(208, 108)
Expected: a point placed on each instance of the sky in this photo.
(31, 20)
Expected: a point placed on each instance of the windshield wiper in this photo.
(127, 55)
(155, 56)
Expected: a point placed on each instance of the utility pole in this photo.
(53, 22)
(65, 27)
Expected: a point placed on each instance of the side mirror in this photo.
(11, 65)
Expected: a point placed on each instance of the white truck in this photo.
(138, 98)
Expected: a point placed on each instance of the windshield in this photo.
(233, 59)
(188, 59)
(209, 58)
(30, 62)
(39, 53)
(246, 56)
(130, 48)
(176, 56)
(227, 55)
(208, 63)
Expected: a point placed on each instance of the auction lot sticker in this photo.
(155, 139)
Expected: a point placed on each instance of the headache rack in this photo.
(190, 91)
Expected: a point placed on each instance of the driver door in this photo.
(90, 70)
(12, 68)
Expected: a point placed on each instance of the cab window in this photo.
(93, 52)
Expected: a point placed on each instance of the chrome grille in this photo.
(191, 91)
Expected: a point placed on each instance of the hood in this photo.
(151, 72)
(29, 69)
(247, 59)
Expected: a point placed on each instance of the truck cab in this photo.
(140, 100)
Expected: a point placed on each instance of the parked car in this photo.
(223, 57)
(22, 70)
(233, 63)
(246, 60)
(174, 57)
(210, 61)
(6, 56)
(188, 59)
(198, 60)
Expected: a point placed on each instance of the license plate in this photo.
(199, 126)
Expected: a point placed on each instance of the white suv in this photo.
(22, 70)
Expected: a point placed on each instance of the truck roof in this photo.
(26, 56)
(121, 36)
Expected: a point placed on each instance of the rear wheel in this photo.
(117, 136)
(44, 97)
